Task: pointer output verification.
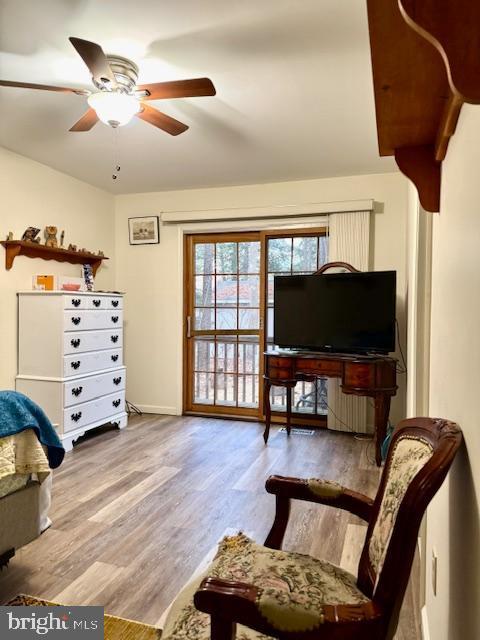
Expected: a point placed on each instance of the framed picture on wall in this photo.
(144, 230)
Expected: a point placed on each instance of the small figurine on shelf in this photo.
(100, 254)
(51, 237)
(72, 247)
(62, 238)
(10, 236)
(88, 276)
(30, 235)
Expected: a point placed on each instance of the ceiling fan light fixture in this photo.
(114, 108)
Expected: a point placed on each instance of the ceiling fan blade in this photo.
(96, 60)
(43, 87)
(161, 120)
(86, 122)
(178, 89)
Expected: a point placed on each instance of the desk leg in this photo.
(289, 409)
(268, 412)
(382, 411)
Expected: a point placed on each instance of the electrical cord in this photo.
(400, 369)
(400, 349)
(131, 408)
(369, 453)
(350, 430)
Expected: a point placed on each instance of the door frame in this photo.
(189, 406)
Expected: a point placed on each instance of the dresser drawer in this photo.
(81, 341)
(103, 408)
(85, 389)
(87, 320)
(80, 363)
(105, 303)
(75, 301)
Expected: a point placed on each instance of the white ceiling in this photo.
(294, 90)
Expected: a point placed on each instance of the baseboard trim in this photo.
(165, 411)
(425, 627)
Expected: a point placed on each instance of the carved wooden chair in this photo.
(254, 592)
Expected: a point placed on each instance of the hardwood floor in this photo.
(135, 511)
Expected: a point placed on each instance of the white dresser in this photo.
(70, 359)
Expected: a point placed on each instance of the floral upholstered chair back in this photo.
(419, 457)
(409, 455)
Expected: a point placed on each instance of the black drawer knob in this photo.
(75, 342)
(75, 364)
(76, 302)
(76, 416)
(115, 319)
(114, 303)
(76, 320)
(116, 403)
(116, 381)
(114, 357)
(114, 338)
(97, 303)
(76, 391)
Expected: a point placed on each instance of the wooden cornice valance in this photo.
(262, 212)
(426, 64)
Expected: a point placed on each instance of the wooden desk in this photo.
(372, 376)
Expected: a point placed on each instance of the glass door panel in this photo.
(287, 255)
(223, 343)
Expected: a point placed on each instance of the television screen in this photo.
(347, 312)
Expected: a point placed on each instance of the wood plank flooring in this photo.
(135, 511)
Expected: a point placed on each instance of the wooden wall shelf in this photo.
(14, 248)
(426, 64)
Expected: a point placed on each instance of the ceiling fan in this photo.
(118, 97)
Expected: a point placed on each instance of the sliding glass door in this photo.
(229, 318)
(223, 323)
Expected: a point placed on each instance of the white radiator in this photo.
(346, 412)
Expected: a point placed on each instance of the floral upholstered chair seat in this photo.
(293, 588)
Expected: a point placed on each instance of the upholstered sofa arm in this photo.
(273, 613)
(322, 492)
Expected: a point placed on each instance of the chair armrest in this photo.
(322, 492)
(230, 603)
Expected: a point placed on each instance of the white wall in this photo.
(453, 525)
(419, 267)
(32, 194)
(152, 275)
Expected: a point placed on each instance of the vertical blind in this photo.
(349, 241)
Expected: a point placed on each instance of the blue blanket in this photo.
(17, 413)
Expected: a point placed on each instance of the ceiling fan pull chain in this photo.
(116, 161)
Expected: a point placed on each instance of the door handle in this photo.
(189, 326)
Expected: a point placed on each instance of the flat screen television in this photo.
(338, 312)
